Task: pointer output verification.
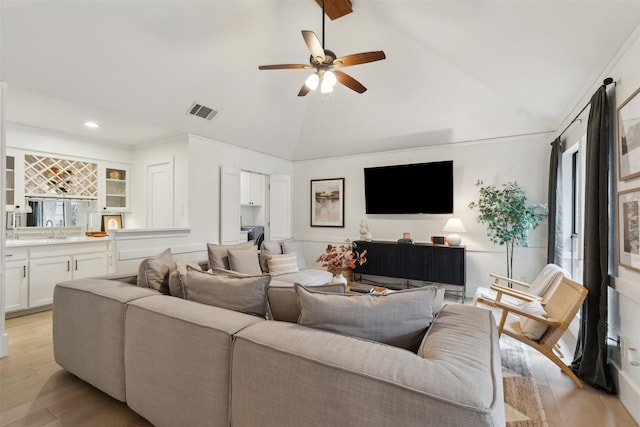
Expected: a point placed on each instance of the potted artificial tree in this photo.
(507, 216)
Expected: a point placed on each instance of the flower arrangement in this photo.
(337, 258)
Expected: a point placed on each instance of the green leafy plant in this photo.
(507, 216)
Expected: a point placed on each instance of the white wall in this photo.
(206, 157)
(626, 73)
(624, 301)
(174, 151)
(197, 162)
(33, 139)
(4, 338)
(522, 159)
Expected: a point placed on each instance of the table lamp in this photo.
(454, 226)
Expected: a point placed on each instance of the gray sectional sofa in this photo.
(182, 363)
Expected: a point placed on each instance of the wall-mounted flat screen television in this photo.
(418, 188)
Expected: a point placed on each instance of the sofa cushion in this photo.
(283, 300)
(178, 278)
(219, 254)
(268, 247)
(399, 318)
(178, 357)
(153, 272)
(282, 263)
(289, 246)
(308, 277)
(533, 329)
(246, 294)
(244, 261)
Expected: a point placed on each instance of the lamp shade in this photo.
(454, 226)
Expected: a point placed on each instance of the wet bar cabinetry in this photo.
(34, 268)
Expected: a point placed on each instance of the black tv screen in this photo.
(409, 189)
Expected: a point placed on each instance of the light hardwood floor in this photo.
(35, 391)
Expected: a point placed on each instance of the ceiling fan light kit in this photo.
(326, 64)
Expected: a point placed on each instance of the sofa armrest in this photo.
(88, 330)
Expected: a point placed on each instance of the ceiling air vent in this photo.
(199, 110)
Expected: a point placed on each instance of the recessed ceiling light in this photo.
(92, 125)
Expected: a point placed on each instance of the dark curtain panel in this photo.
(554, 239)
(590, 358)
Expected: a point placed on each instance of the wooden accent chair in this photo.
(544, 282)
(540, 324)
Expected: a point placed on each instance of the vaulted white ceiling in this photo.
(455, 71)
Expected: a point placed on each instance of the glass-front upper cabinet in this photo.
(14, 178)
(10, 180)
(116, 189)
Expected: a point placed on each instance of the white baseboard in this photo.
(629, 395)
(4, 345)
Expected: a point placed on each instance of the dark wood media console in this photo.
(438, 264)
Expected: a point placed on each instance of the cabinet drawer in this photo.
(68, 249)
(16, 254)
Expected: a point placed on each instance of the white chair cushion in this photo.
(533, 329)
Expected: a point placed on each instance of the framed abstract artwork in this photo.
(629, 228)
(628, 137)
(327, 202)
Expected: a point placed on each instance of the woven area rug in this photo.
(523, 405)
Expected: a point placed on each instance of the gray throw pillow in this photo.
(289, 246)
(283, 300)
(178, 278)
(268, 247)
(247, 294)
(244, 261)
(399, 318)
(153, 272)
(219, 254)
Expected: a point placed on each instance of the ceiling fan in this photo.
(326, 64)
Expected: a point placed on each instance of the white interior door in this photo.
(279, 207)
(160, 195)
(229, 206)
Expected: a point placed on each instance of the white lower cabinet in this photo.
(90, 264)
(46, 265)
(45, 273)
(16, 266)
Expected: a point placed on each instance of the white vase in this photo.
(339, 278)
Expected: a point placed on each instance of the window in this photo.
(573, 179)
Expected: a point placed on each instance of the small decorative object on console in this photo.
(437, 240)
(406, 239)
(365, 234)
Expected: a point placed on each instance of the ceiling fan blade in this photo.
(283, 66)
(313, 44)
(304, 90)
(349, 81)
(359, 58)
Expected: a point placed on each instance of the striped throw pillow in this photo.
(282, 264)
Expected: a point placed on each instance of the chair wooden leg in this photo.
(555, 359)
